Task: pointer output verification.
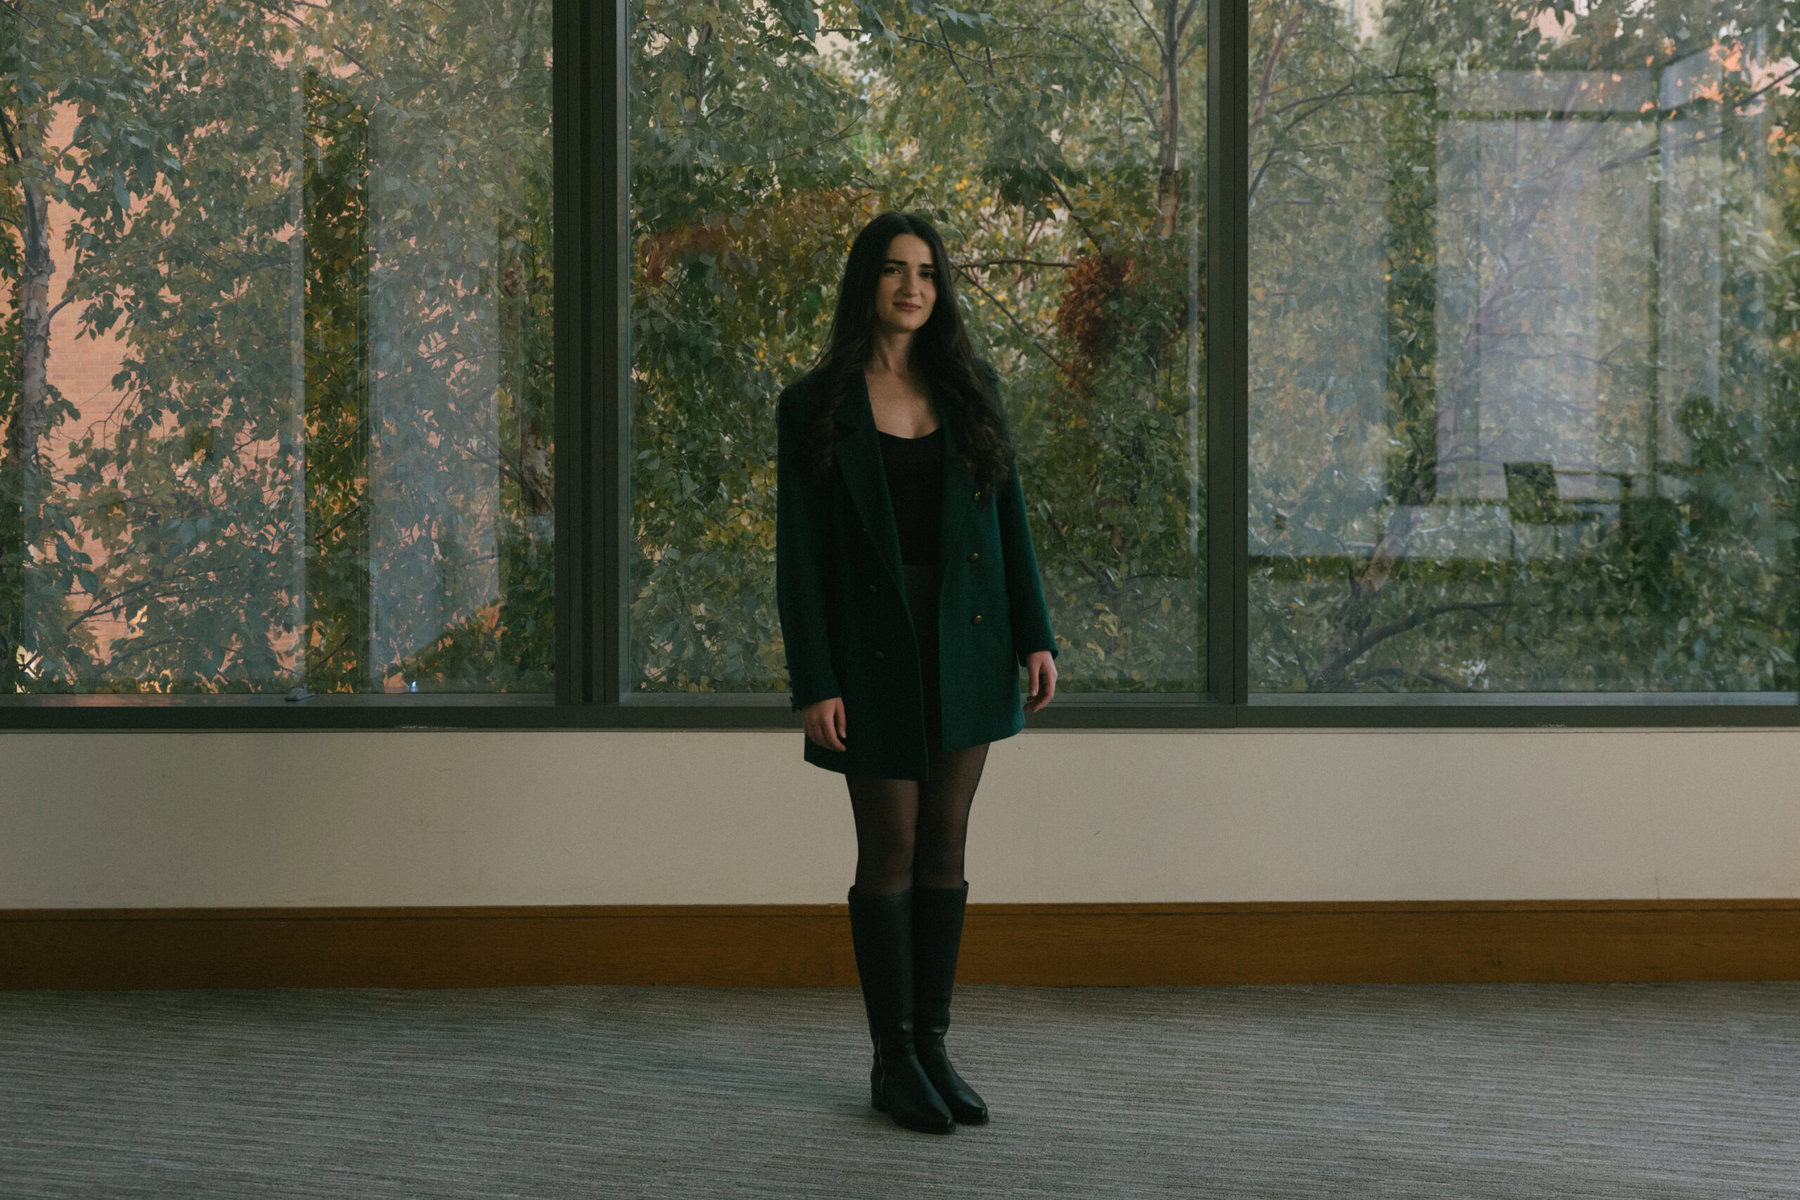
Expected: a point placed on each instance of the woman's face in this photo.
(906, 288)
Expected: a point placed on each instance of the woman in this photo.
(909, 599)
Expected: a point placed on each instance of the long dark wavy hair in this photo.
(940, 353)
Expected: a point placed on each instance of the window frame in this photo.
(590, 76)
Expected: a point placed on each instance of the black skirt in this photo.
(922, 581)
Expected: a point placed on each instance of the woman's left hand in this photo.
(1040, 673)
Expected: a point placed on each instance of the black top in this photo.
(915, 479)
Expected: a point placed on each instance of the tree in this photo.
(1367, 503)
(1041, 137)
(318, 399)
(1015, 130)
(323, 235)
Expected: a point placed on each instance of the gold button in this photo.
(977, 620)
(978, 497)
(880, 654)
(974, 556)
(873, 588)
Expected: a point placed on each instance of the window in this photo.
(1523, 399)
(279, 319)
(1059, 149)
(1368, 361)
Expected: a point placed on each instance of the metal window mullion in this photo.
(611, 450)
(566, 105)
(1227, 349)
(573, 125)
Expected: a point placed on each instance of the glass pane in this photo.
(1058, 149)
(278, 336)
(1525, 381)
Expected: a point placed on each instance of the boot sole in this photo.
(876, 1103)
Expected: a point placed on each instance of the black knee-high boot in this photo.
(881, 928)
(937, 935)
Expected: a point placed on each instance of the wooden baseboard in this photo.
(800, 945)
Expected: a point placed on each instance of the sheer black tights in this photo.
(910, 832)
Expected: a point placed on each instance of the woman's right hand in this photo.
(824, 723)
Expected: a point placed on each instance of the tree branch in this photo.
(6, 136)
(905, 37)
(276, 10)
(1056, 184)
(1001, 262)
(1150, 110)
(1287, 30)
(1181, 22)
(1073, 216)
(1381, 633)
(950, 50)
(1375, 673)
(1155, 38)
(1749, 96)
(1030, 337)
(1400, 51)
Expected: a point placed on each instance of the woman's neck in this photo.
(890, 355)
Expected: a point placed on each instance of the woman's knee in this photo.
(884, 866)
(893, 850)
(942, 862)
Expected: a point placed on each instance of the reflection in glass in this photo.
(1524, 399)
(278, 334)
(1058, 150)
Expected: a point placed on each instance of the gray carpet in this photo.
(1502, 1091)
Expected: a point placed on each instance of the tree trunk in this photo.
(26, 432)
(1168, 181)
(19, 461)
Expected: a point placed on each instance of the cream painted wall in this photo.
(258, 819)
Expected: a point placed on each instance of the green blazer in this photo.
(842, 596)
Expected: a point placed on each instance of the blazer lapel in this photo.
(859, 458)
(858, 454)
(959, 488)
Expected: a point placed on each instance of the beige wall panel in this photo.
(124, 820)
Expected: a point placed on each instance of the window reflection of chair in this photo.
(1531, 495)
(1628, 510)
(1537, 510)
